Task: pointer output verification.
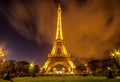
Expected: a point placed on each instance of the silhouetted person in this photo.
(84, 74)
(7, 77)
(110, 75)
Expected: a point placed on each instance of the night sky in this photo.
(90, 28)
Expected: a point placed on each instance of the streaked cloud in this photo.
(90, 27)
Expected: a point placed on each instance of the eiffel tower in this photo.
(59, 60)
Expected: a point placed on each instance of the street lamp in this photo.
(31, 68)
(2, 56)
(1, 53)
(31, 65)
(86, 68)
(86, 65)
(2, 60)
(116, 59)
(108, 68)
(116, 56)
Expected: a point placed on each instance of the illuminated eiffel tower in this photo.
(59, 59)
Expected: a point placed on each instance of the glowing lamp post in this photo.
(2, 57)
(1, 53)
(86, 65)
(86, 68)
(2, 60)
(116, 56)
(116, 59)
(31, 68)
(108, 68)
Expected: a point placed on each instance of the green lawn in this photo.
(63, 79)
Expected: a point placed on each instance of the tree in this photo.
(94, 66)
(110, 65)
(9, 66)
(22, 68)
(36, 69)
(33, 69)
(80, 69)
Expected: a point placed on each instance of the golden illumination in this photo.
(112, 54)
(59, 43)
(108, 68)
(31, 64)
(116, 55)
(59, 55)
(31, 68)
(117, 52)
(1, 53)
(59, 35)
(86, 65)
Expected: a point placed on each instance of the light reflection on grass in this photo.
(63, 79)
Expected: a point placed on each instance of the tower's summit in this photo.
(59, 25)
(58, 47)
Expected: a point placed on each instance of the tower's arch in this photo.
(59, 65)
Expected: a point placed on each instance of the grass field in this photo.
(63, 79)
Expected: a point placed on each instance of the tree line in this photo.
(18, 69)
(98, 67)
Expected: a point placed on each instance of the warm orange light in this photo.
(31, 65)
(85, 65)
(59, 53)
(117, 52)
(1, 53)
(31, 68)
(59, 25)
(108, 68)
(112, 54)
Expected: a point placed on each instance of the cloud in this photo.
(90, 27)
